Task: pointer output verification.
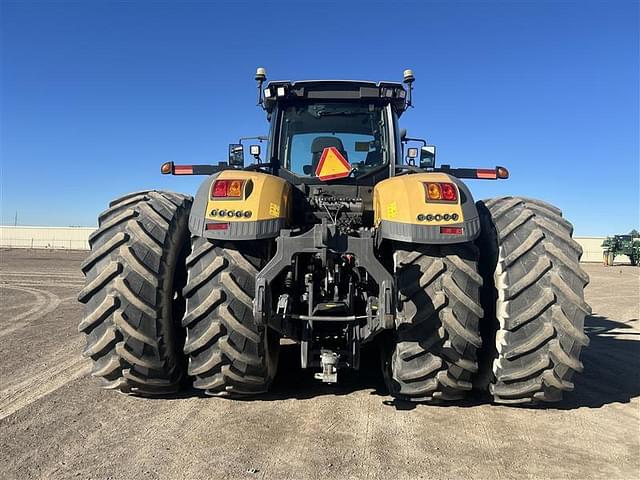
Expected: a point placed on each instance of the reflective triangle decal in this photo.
(332, 165)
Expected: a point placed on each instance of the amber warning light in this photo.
(166, 168)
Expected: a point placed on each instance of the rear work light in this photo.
(441, 191)
(227, 188)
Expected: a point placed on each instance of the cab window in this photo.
(354, 130)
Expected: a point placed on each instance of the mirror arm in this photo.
(260, 138)
(421, 140)
(258, 166)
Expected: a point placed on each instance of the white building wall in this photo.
(591, 248)
(77, 238)
(69, 238)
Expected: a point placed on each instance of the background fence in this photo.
(77, 238)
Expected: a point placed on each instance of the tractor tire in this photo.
(611, 258)
(605, 259)
(433, 355)
(133, 306)
(229, 354)
(534, 294)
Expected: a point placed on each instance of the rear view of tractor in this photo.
(347, 235)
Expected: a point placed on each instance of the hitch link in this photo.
(329, 363)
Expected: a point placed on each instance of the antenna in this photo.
(261, 76)
(408, 78)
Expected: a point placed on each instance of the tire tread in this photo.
(540, 307)
(434, 355)
(128, 273)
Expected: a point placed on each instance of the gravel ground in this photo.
(56, 423)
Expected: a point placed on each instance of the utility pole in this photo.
(15, 220)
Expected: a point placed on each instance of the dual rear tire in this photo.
(524, 345)
(148, 303)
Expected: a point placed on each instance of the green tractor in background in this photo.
(621, 245)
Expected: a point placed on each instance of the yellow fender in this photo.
(403, 211)
(261, 209)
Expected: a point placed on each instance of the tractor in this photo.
(344, 234)
(621, 245)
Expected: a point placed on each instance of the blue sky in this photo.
(96, 95)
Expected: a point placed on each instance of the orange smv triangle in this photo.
(332, 165)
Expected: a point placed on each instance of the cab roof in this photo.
(347, 90)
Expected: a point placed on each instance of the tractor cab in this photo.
(334, 130)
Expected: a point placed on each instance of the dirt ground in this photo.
(56, 423)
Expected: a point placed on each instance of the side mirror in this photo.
(428, 156)
(236, 155)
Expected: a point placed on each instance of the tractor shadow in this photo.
(611, 374)
(611, 366)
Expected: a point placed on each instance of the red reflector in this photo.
(451, 230)
(217, 226)
(449, 192)
(183, 169)
(486, 173)
(219, 188)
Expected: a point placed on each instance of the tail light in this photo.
(227, 188)
(441, 191)
(449, 192)
(451, 230)
(217, 226)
